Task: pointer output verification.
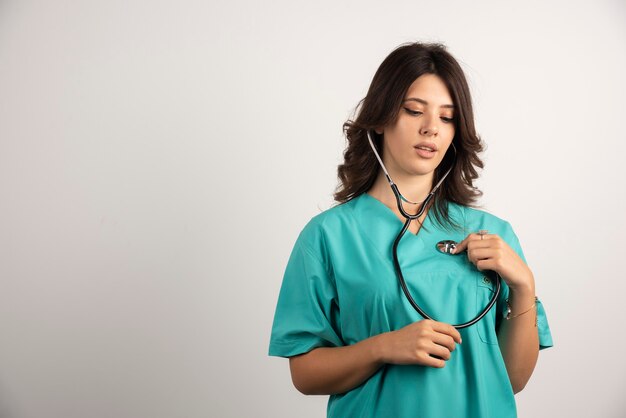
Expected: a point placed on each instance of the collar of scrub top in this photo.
(409, 218)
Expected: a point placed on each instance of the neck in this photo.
(413, 188)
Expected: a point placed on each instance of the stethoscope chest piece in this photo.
(446, 246)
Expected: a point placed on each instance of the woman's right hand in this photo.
(333, 370)
(426, 342)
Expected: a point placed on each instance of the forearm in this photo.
(519, 338)
(330, 370)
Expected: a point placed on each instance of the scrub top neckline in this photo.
(401, 222)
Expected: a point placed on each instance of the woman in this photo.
(342, 319)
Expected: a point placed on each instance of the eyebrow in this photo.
(417, 99)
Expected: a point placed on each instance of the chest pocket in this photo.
(485, 289)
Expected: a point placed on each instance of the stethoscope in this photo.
(445, 246)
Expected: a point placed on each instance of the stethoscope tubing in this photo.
(409, 217)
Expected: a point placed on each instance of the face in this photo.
(416, 142)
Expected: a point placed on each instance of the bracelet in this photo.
(508, 311)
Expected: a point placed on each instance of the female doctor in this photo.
(342, 317)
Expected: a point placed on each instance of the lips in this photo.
(426, 146)
(426, 150)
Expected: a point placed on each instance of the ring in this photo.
(482, 233)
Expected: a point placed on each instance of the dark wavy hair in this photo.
(381, 107)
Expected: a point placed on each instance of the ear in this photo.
(379, 131)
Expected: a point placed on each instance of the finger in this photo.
(488, 264)
(440, 352)
(427, 360)
(448, 330)
(479, 243)
(444, 340)
(477, 254)
(486, 237)
(462, 246)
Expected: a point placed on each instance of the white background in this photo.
(158, 160)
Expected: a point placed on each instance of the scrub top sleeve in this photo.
(307, 314)
(545, 336)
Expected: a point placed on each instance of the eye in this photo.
(417, 112)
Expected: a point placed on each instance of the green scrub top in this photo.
(340, 287)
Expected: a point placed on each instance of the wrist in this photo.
(525, 287)
(522, 291)
(521, 298)
(379, 347)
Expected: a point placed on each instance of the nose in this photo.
(429, 126)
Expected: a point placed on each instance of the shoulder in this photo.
(329, 225)
(474, 219)
(474, 216)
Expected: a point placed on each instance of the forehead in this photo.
(430, 88)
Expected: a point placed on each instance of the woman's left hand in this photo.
(490, 252)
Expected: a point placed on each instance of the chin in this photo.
(423, 169)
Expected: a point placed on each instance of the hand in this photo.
(490, 252)
(426, 342)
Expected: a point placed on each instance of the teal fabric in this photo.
(340, 287)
